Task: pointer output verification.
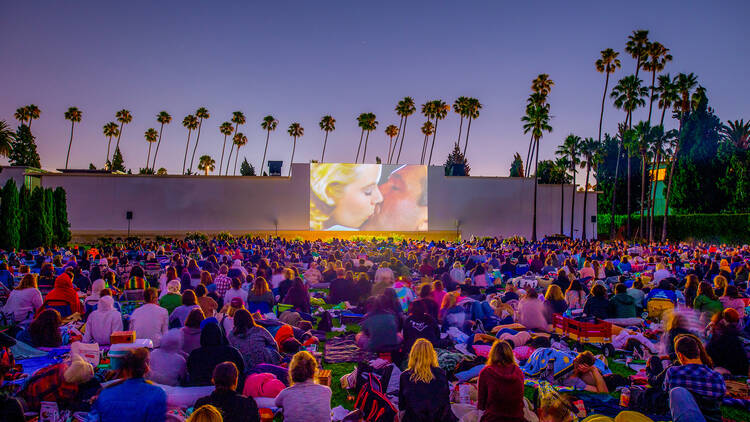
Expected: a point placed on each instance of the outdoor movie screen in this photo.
(368, 197)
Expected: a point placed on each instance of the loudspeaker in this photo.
(129, 215)
(593, 219)
(274, 168)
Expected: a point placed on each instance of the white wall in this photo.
(17, 173)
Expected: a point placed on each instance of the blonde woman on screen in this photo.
(343, 196)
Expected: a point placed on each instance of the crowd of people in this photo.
(244, 317)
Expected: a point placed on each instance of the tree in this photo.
(225, 129)
(427, 130)
(607, 64)
(207, 164)
(74, 115)
(118, 163)
(110, 129)
(660, 141)
(536, 122)
(10, 217)
(362, 124)
(391, 131)
(657, 57)
(296, 131)
(456, 157)
(370, 125)
(404, 109)
(39, 225)
(516, 167)
(163, 118)
(21, 114)
(666, 91)
(472, 111)
(590, 151)
(428, 112)
(29, 112)
(269, 123)
(24, 205)
(238, 118)
(161, 172)
(49, 211)
(61, 226)
(571, 150)
(440, 112)
(637, 47)
(190, 122)
(201, 113)
(23, 150)
(541, 86)
(460, 107)
(642, 144)
(562, 164)
(246, 169)
(327, 124)
(124, 117)
(6, 139)
(151, 135)
(240, 140)
(737, 132)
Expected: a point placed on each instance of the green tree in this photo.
(541, 86)
(297, 131)
(74, 115)
(207, 164)
(10, 217)
(637, 46)
(151, 136)
(163, 118)
(61, 225)
(39, 227)
(24, 204)
(427, 129)
(240, 140)
(238, 118)
(571, 149)
(6, 139)
(461, 107)
(225, 129)
(22, 115)
(268, 124)
(110, 129)
(327, 124)
(536, 122)
(561, 177)
(456, 157)
(49, 211)
(391, 131)
(666, 91)
(472, 110)
(370, 125)
(607, 64)
(23, 150)
(428, 112)
(440, 112)
(516, 167)
(590, 151)
(737, 133)
(118, 163)
(657, 58)
(246, 169)
(124, 117)
(190, 122)
(29, 112)
(404, 109)
(201, 113)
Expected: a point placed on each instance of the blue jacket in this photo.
(133, 400)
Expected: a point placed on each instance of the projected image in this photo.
(372, 197)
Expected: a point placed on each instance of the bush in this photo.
(61, 226)
(10, 217)
(715, 228)
(224, 236)
(196, 236)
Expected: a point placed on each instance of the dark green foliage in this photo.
(61, 226)
(605, 174)
(247, 169)
(92, 166)
(148, 170)
(456, 157)
(715, 228)
(23, 149)
(516, 167)
(24, 199)
(118, 164)
(10, 236)
(39, 223)
(735, 182)
(551, 174)
(49, 215)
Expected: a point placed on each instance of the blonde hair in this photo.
(326, 185)
(206, 413)
(501, 354)
(27, 282)
(720, 282)
(422, 358)
(554, 293)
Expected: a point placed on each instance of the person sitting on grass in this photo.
(501, 385)
(424, 394)
(234, 407)
(304, 400)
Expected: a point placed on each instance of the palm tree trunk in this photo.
(229, 159)
(663, 110)
(148, 157)
(30, 119)
(236, 157)
(460, 129)
(195, 147)
(403, 135)
(562, 205)
(294, 147)
(187, 146)
(393, 152)
(536, 184)
(466, 141)
(361, 135)
(263, 162)
(221, 162)
(364, 153)
(159, 143)
(627, 153)
(653, 197)
(601, 114)
(72, 124)
(108, 145)
(614, 192)
(117, 145)
(643, 195)
(390, 145)
(651, 98)
(325, 141)
(434, 135)
(669, 193)
(586, 197)
(573, 201)
(529, 155)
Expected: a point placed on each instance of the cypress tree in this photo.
(49, 217)
(61, 224)
(9, 217)
(24, 198)
(35, 222)
(23, 149)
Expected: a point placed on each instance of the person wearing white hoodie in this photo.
(103, 322)
(168, 364)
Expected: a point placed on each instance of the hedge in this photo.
(716, 228)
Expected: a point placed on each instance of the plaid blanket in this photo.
(345, 349)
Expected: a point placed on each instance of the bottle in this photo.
(625, 398)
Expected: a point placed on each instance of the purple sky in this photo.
(301, 60)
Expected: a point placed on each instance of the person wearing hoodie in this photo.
(168, 363)
(622, 305)
(191, 332)
(500, 389)
(65, 292)
(213, 351)
(103, 322)
(255, 343)
(93, 299)
(725, 346)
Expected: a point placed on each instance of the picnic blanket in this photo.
(562, 362)
(344, 349)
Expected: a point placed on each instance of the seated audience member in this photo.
(11, 409)
(191, 332)
(24, 300)
(104, 321)
(501, 385)
(132, 398)
(297, 296)
(424, 394)
(47, 279)
(622, 305)
(695, 374)
(531, 313)
(214, 350)
(44, 331)
(205, 413)
(64, 292)
(562, 280)
(425, 296)
(575, 295)
(255, 343)
(362, 288)
(168, 363)
(234, 407)
(341, 288)
(222, 282)
(208, 305)
(585, 375)
(510, 294)
(260, 293)
(636, 292)
(706, 302)
(554, 302)
(150, 320)
(92, 300)
(68, 383)
(304, 400)
(235, 290)
(419, 324)
(725, 346)
(180, 313)
(380, 327)
(597, 304)
(731, 299)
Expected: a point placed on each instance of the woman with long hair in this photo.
(255, 343)
(691, 289)
(44, 331)
(297, 296)
(501, 386)
(304, 400)
(424, 394)
(24, 300)
(706, 302)
(554, 301)
(260, 292)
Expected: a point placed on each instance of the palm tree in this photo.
(629, 95)
(296, 131)
(33, 113)
(191, 123)
(657, 56)
(460, 106)
(472, 112)
(206, 164)
(74, 115)
(151, 136)
(6, 139)
(240, 140)
(427, 129)
(541, 86)
(643, 145)
(637, 47)
(124, 117)
(225, 129)
(164, 119)
(405, 108)
(536, 122)
(362, 124)
(607, 64)
(428, 112)
(737, 132)
(571, 149)
(684, 84)
(440, 110)
(370, 125)
(110, 129)
(268, 124)
(666, 90)
(590, 150)
(21, 114)
(201, 113)
(391, 131)
(660, 139)
(562, 165)
(327, 124)
(238, 118)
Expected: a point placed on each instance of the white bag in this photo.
(89, 352)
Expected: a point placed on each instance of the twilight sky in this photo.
(301, 60)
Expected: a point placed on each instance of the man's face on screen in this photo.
(401, 208)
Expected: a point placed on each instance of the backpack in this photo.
(374, 404)
(326, 322)
(649, 400)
